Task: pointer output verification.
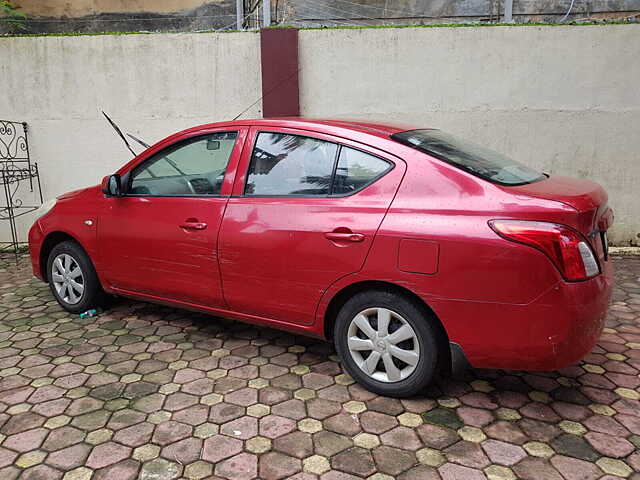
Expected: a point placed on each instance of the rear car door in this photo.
(304, 212)
(160, 239)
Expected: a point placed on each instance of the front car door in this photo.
(304, 212)
(160, 239)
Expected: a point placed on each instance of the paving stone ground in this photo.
(143, 391)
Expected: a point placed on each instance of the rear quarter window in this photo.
(356, 170)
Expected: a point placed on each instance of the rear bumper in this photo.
(555, 330)
(35, 244)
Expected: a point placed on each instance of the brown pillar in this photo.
(280, 68)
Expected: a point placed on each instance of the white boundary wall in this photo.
(150, 85)
(563, 99)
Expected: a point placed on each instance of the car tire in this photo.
(401, 363)
(73, 279)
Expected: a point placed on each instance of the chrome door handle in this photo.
(193, 225)
(344, 236)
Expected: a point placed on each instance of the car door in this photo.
(160, 238)
(304, 213)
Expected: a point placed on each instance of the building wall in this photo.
(563, 99)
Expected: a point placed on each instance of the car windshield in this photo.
(479, 161)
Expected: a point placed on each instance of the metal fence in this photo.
(18, 176)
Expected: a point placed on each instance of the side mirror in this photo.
(112, 185)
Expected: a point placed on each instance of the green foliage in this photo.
(11, 16)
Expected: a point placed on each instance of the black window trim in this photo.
(128, 177)
(391, 164)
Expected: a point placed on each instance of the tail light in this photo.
(567, 249)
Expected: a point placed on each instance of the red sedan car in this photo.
(410, 249)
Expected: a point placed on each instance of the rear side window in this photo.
(289, 165)
(475, 159)
(283, 164)
(356, 170)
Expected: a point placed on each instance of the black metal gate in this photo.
(18, 176)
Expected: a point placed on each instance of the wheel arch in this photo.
(50, 241)
(341, 297)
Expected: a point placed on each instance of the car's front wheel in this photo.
(72, 278)
(387, 343)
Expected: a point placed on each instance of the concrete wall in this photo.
(151, 85)
(563, 99)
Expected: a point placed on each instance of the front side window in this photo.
(193, 167)
(475, 159)
(283, 164)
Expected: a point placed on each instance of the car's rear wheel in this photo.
(387, 343)
(73, 279)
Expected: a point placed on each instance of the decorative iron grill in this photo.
(17, 175)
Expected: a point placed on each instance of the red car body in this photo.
(423, 227)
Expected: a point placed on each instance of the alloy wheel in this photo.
(383, 344)
(67, 278)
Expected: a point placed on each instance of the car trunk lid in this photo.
(593, 215)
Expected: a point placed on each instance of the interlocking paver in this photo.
(393, 461)
(295, 444)
(170, 431)
(135, 435)
(194, 415)
(185, 451)
(294, 409)
(329, 443)
(106, 454)
(242, 428)
(356, 461)
(26, 441)
(144, 391)
(70, 457)
(160, 469)
(219, 447)
(343, 423)
(275, 466)
(243, 466)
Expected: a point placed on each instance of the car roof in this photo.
(373, 134)
(324, 125)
